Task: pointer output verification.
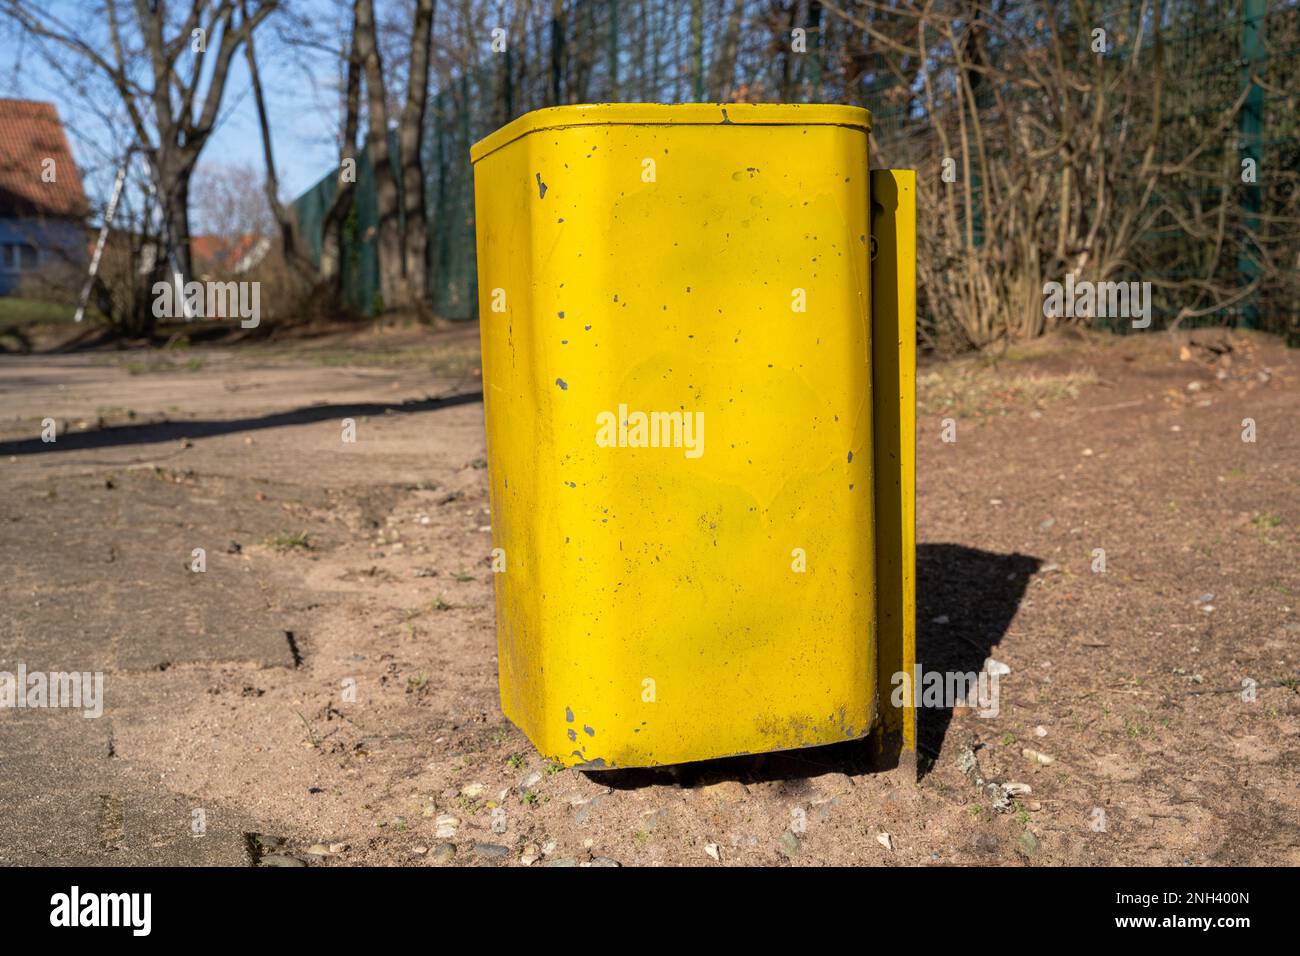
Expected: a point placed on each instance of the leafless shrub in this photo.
(1058, 138)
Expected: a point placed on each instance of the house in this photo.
(217, 256)
(43, 207)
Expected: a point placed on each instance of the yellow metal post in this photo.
(893, 361)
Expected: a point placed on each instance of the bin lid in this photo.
(679, 114)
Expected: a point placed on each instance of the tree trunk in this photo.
(724, 65)
(284, 220)
(557, 52)
(392, 287)
(179, 221)
(331, 256)
(171, 173)
(781, 48)
(411, 136)
(697, 51)
(172, 263)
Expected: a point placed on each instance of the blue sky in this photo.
(301, 98)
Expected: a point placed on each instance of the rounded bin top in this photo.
(681, 114)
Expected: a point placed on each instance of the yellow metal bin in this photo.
(701, 505)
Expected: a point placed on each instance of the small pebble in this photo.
(443, 853)
(966, 761)
(1028, 843)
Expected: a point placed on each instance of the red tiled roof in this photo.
(221, 253)
(207, 249)
(30, 133)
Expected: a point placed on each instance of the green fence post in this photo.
(1251, 123)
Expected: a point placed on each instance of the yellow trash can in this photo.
(684, 443)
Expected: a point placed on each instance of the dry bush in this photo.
(1062, 159)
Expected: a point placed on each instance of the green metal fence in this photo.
(652, 51)
(1222, 52)
(360, 261)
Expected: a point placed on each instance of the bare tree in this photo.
(415, 265)
(331, 257)
(223, 205)
(724, 64)
(284, 221)
(402, 224)
(169, 71)
(388, 227)
(1050, 146)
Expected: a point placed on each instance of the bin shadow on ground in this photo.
(966, 600)
(149, 433)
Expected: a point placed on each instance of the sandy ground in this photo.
(325, 692)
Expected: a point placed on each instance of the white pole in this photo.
(103, 238)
